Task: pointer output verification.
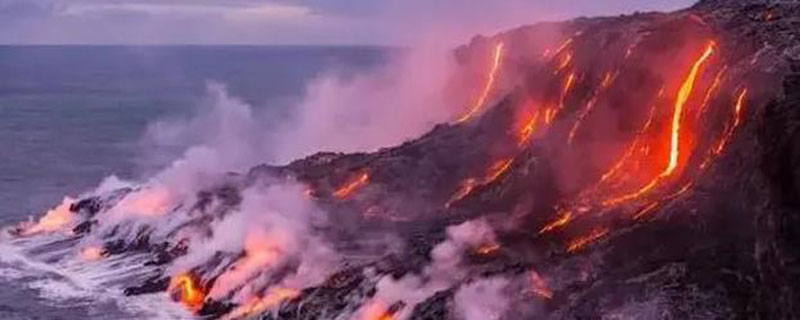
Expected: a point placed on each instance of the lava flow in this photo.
(55, 219)
(377, 311)
(487, 89)
(273, 298)
(609, 192)
(347, 189)
(92, 253)
(685, 91)
(495, 171)
(185, 289)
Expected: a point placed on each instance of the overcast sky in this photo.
(397, 22)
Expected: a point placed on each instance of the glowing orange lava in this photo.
(674, 151)
(487, 249)
(567, 86)
(604, 85)
(345, 191)
(55, 219)
(683, 96)
(632, 149)
(549, 115)
(583, 241)
(273, 298)
(495, 171)
(92, 253)
(737, 118)
(564, 63)
(711, 91)
(528, 129)
(185, 288)
(564, 218)
(497, 57)
(151, 201)
(564, 45)
(376, 311)
(466, 189)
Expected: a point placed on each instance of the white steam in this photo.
(446, 270)
(483, 299)
(399, 101)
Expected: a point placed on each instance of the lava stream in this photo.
(674, 151)
(495, 171)
(345, 191)
(583, 241)
(273, 298)
(737, 118)
(185, 288)
(497, 57)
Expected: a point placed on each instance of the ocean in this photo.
(72, 115)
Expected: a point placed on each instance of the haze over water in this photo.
(74, 115)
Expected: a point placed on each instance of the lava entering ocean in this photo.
(562, 151)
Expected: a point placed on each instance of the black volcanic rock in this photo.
(726, 247)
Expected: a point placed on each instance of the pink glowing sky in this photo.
(394, 22)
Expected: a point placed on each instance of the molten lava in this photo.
(528, 129)
(92, 253)
(495, 171)
(564, 63)
(345, 191)
(185, 289)
(262, 250)
(465, 190)
(376, 311)
(487, 89)
(55, 219)
(273, 298)
(567, 86)
(737, 118)
(683, 96)
(152, 201)
(564, 218)
(487, 249)
(583, 241)
(685, 91)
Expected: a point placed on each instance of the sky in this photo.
(287, 22)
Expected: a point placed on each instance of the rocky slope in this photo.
(641, 166)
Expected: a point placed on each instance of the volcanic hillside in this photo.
(642, 166)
